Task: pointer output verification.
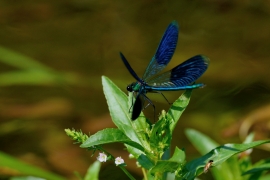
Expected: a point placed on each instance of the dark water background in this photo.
(81, 40)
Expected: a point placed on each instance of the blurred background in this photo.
(53, 54)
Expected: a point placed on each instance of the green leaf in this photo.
(259, 168)
(178, 108)
(93, 171)
(109, 135)
(26, 178)
(204, 144)
(142, 129)
(134, 151)
(165, 166)
(145, 162)
(178, 156)
(31, 72)
(218, 155)
(157, 128)
(243, 159)
(18, 60)
(31, 77)
(249, 138)
(7, 161)
(160, 137)
(118, 107)
(266, 177)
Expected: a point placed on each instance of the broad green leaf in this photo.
(27, 178)
(261, 167)
(149, 176)
(204, 144)
(93, 171)
(161, 136)
(165, 166)
(157, 128)
(18, 60)
(178, 108)
(142, 129)
(134, 151)
(234, 165)
(249, 138)
(118, 107)
(218, 155)
(109, 135)
(31, 72)
(178, 156)
(145, 162)
(243, 159)
(7, 161)
(266, 177)
(31, 77)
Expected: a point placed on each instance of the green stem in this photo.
(144, 174)
(127, 173)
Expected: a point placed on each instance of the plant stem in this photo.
(144, 174)
(127, 173)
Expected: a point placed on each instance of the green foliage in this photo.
(77, 136)
(109, 136)
(24, 168)
(29, 71)
(26, 178)
(92, 172)
(149, 143)
(227, 165)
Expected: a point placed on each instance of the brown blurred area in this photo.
(82, 38)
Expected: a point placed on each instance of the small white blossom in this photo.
(102, 157)
(119, 160)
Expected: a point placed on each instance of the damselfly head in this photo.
(130, 87)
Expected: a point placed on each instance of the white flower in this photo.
(119, 160)
(102, 157)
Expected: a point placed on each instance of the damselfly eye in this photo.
(129, 88)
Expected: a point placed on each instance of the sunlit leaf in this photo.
(165, 166)
(178, 155)
(249, 138)
(178, 107)
(93, 171)
(109, 135)
(243, 159)
(261, 167)
(118, 107)
(266, 177)
(142, 129)
(31, 77)
(134, 151)
(7, 161)
(218, 155)
(27, 178)
(204, 144)
(18, 60)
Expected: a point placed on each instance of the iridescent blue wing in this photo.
(164, 51)
(180, 76)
